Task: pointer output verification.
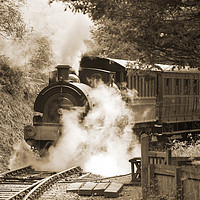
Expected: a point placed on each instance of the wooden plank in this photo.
(168, 170)
(191, 189)
(164, 172)
(191, 168)
(113, 190)
(74, 187)
(181, 158)
(87, 188)
(172, 167)
(191, 172)
(99, 189)
(157, 154)
(165, 185)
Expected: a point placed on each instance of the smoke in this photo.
(22, 156)
(102, 143)
(65, 31)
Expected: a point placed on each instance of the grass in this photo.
(184, 149)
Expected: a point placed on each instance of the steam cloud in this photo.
(66, 30)
(103, 142)
(67, 33)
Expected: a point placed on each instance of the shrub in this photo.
(10, 79)
(19, 84)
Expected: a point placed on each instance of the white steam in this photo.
(22, 156)
(66, 30)
(67, 33)
(103, 142)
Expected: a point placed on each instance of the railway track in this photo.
(26, 183)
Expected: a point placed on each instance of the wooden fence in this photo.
(167, 177)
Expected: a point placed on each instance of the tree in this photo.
(11, 21)
(41, 56)
(155, 31)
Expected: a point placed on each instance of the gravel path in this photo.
(58, 192)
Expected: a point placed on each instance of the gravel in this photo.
(129, 192)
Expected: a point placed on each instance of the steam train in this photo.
(167, 101)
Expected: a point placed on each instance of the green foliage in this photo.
(11, 21)
(155, 31)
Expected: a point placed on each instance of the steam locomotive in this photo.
(167, 101)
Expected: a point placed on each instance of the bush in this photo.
(19, 84)
(10, 79)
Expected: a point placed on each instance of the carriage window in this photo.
(186, 86)
(153, 88)
(195, 88)
(142, 86)
(130, 82)
(177, 87)
(133, 82)
(138, 83)
(167, 86)
(146, 88)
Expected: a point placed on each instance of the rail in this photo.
(49, 181)
(16, 171)
(27, 183)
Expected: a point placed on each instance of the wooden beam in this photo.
(168, 170)
(74, 187)
(113, 190)
(99, 189)
(87, 188)
(157, 154)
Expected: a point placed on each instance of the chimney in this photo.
(63, 72)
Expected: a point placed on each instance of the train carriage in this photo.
(168, 100)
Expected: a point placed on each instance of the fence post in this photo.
(150, 176)
(144, 164)
(178, 184)
(168, 157)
